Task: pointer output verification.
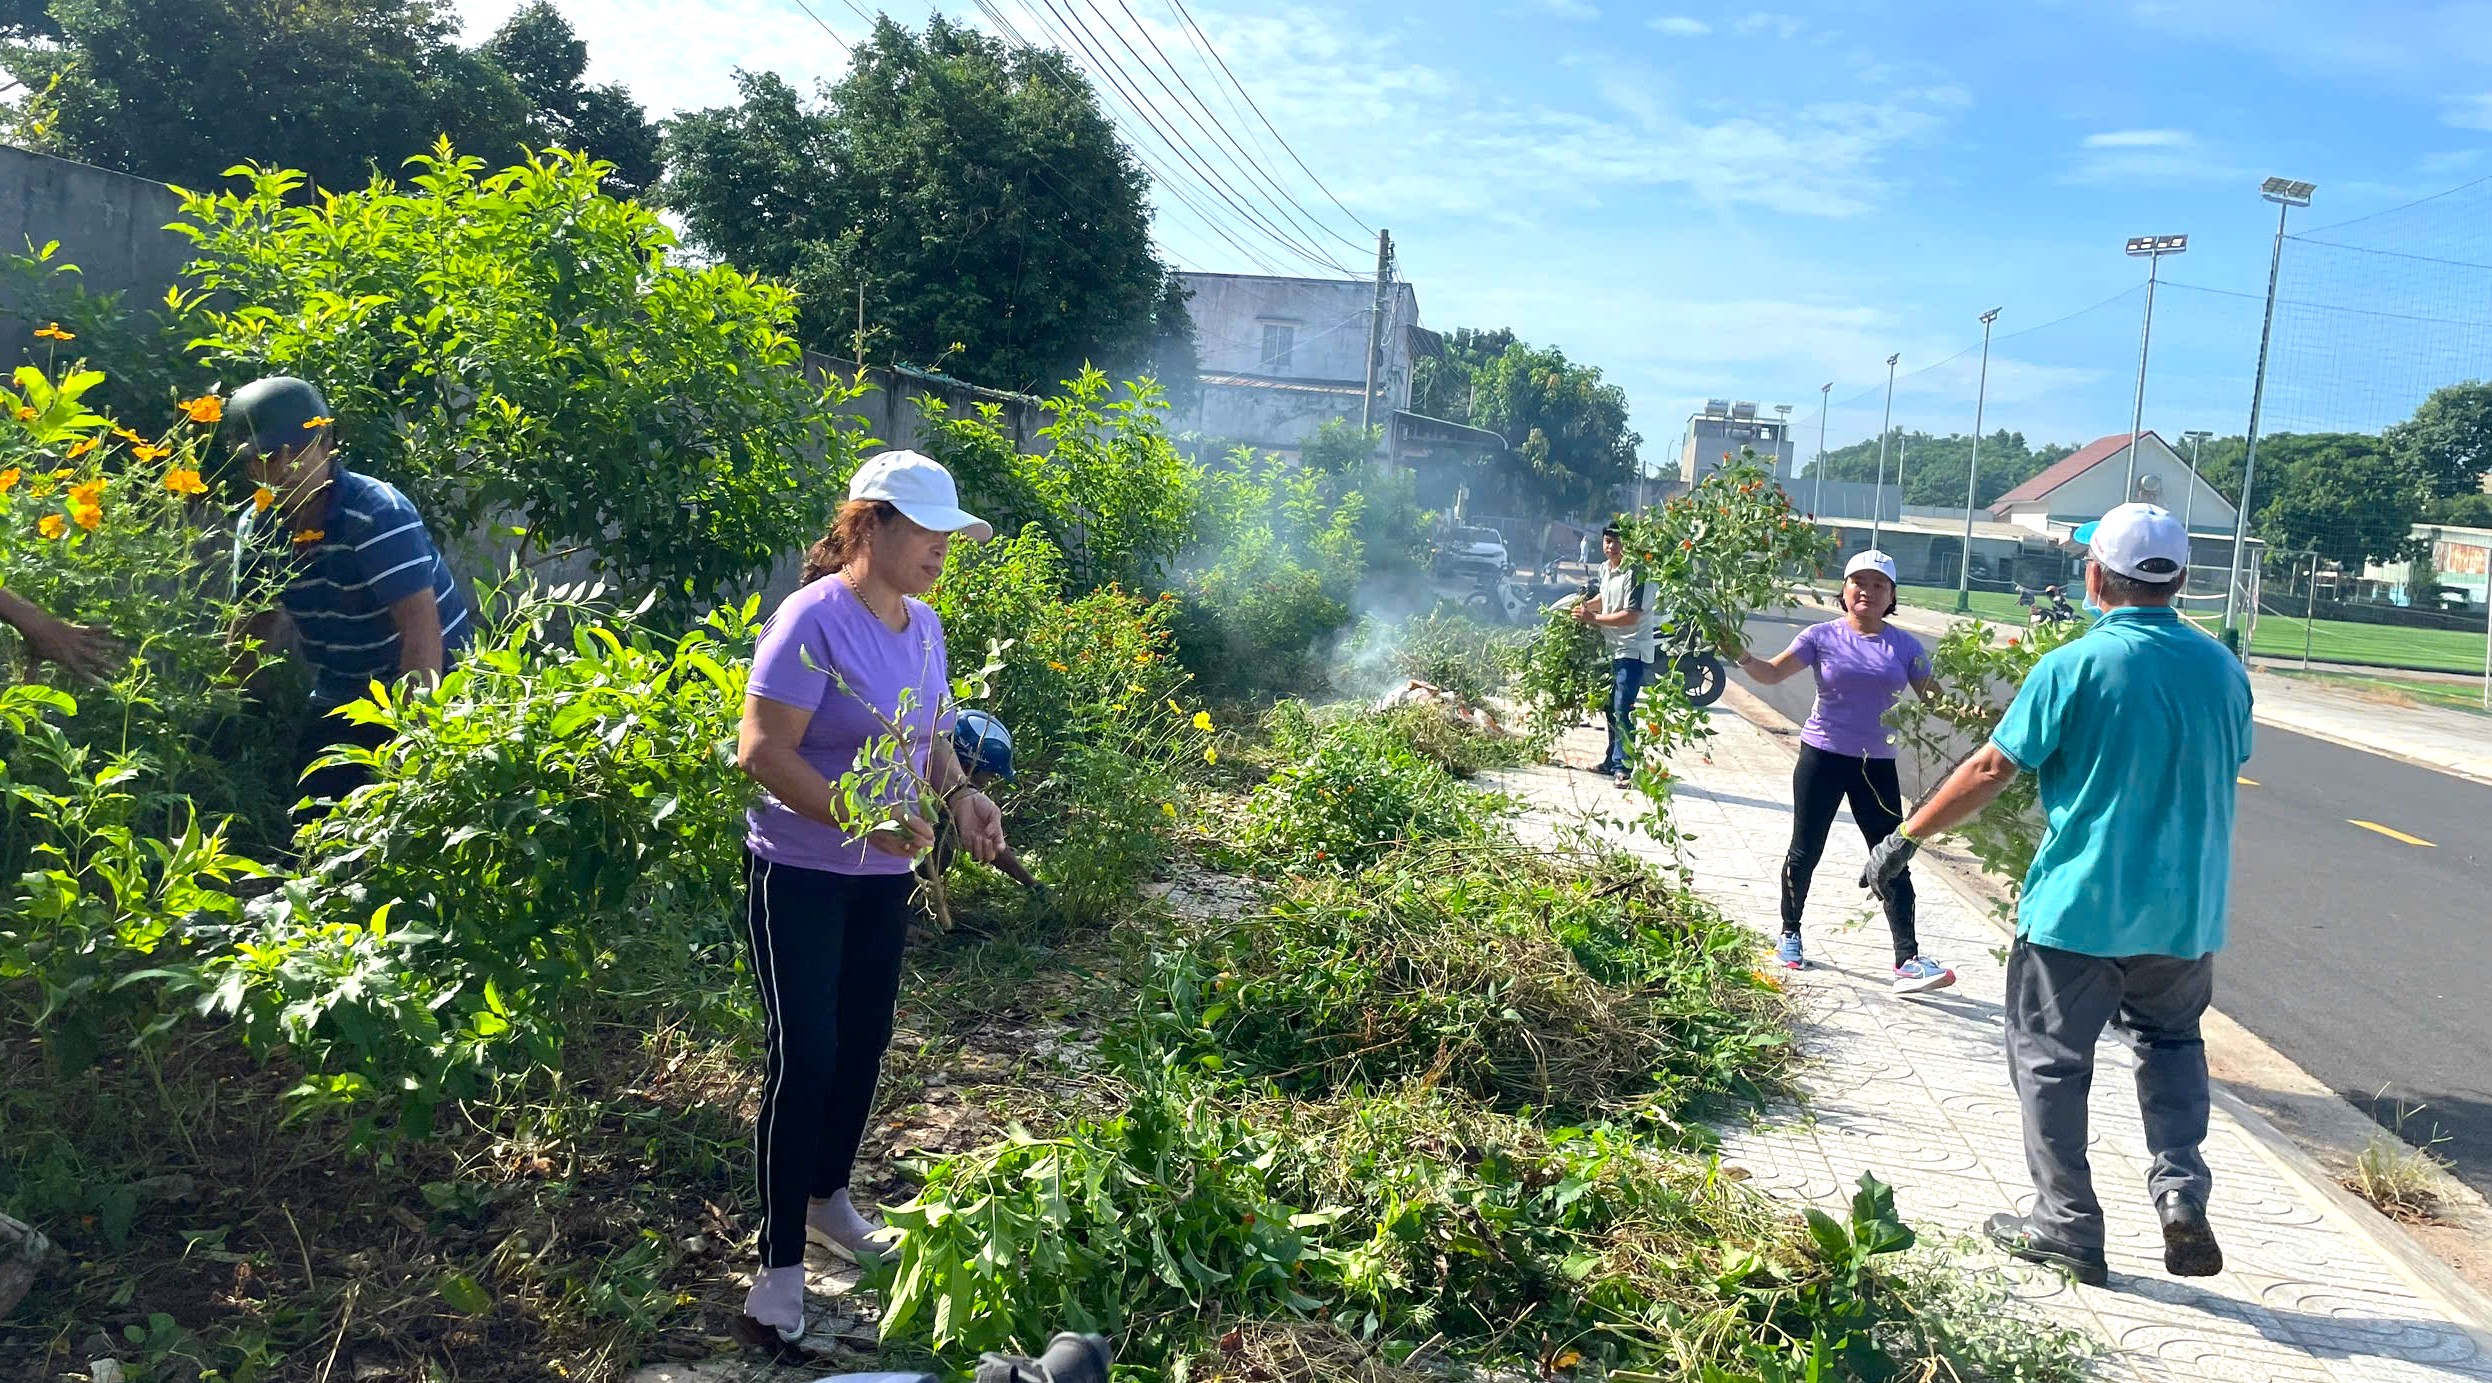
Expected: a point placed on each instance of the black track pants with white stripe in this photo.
(826, 954)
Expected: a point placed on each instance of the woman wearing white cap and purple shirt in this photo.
(1863, 665)
(826, 899)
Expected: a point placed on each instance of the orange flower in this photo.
(90, 492)
(304, 536)
(318, 423)
(89, 516)
(25, 414)
(53, 332)
(127, 435)
(84, 447)
(53, 526)
(261, 498)
(9, 479)
(207, 408)
(151, 453)
(182, 480)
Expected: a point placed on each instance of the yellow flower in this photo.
(53, 332)
(1142, 657)
(25, 414)
(1210, 755)
(304, 536)
(127, 435)
(207, 408)
(1168, 807)
(90, 493)
(9, 479)
(1056, 665)
(261, 498)
(53, 526)
(89, 516)
(84, 447)
(147, 453)
(317, 423)
(182, 480)
(1202, 721)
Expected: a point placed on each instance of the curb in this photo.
(2432, 1280)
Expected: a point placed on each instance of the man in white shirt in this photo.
(1624, 615)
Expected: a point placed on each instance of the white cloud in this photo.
(674, 60)
(1681, 26)
(1569, 9)
(2139, 139)
(1779, 25)
(2468, 112)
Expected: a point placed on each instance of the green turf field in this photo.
(2280, 636)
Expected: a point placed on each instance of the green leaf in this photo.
(464, 1294)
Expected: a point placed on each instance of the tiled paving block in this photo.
(1916, 1090)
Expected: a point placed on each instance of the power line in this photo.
(1140, 106)
(1044, 60)
(1250, 165)
(1188, 17)
(1134, 101)
(834, 33)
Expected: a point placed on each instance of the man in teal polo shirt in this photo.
(2138, 731)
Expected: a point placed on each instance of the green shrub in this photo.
(1560, 675)
(559, 818)
(1448, 648)
(1278, 561)
(516, 346)
(1460, 748)
(1350, 790)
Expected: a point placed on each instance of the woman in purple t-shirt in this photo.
(1863, 666)
(847, 660)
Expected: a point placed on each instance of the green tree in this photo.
(976, 192)
(1568, 427)
(1339, 447)
(181, 90)
(541, 52)
(1934, 468)
(2448, 441)
(2462, 511)
(2343, 495)
(517, 346)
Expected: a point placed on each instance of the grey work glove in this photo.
(1886, 862)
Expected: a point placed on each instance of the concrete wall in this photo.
(1708, 440)
(110, 225)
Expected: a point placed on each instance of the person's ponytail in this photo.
(851, 530)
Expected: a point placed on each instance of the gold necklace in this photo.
(857, 588)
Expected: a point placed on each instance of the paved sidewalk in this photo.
(1916, 1091)
(2432, 736)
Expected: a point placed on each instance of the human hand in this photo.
(87, 651)
(908, 837)
(981, 825)
(1583, 613)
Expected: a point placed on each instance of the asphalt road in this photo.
(2357, 950)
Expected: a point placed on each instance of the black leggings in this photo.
(826, 954)
(1819, 784)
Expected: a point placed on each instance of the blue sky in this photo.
(1749, 202)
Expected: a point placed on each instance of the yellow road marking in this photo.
(2391, 833)
(2245, 782)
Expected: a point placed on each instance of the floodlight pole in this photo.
(1877, 496)
(2152, 248)
(2286, 194)
(1825, 405)
(1972, 477)
(2197, 441)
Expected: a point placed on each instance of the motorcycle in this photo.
(1680, 645)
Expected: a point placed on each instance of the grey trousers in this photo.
(2058, 1003)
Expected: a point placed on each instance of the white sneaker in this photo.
(1920, 975)
(777, 1302)
(835, 1225)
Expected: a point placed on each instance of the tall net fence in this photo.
(2343, 559)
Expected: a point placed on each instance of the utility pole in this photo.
(1972, 477)
(1877, 497)
(2286, 194)
(2197, 439)
(1825, 405)
(1375, 329)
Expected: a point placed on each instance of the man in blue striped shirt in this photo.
(369, 595)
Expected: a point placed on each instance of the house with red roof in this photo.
(2091, 481)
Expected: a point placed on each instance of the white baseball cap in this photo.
(1872, 560)
(919, 487)
(2140, 541)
